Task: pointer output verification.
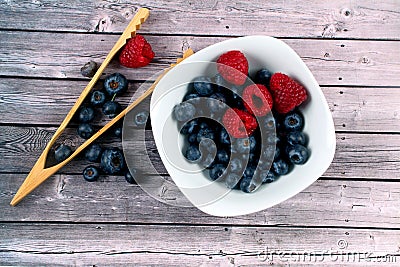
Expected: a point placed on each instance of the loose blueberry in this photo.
(115, 84)
(263, 76)
(112, 161)
(130, 176)
(141, 118)
(93, 153)
(269, 177)
(86, 114)
(89, 69)
(298, 154)
(232, 180)
(293, 121)
(62, 152)
(97, 98)
(203, 86)
(91, 173)
(192, 153)
(247, 185)
(280, 167)
(118, 131)
(111, 108)
(85, 130)
(296, 137)
(184, 111)
(217, 171)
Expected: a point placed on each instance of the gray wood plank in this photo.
(57, 55)
(38, 102)
(355, 153)
(115, 245)
(316, 19)
(68, 198)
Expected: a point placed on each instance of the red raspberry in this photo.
(136, 53)
(233, 67)
(286, 93)
(257, 99)
(239, 123)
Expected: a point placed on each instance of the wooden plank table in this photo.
(351, 215)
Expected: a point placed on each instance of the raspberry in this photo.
(136, 53)
(233, 67)
(257, 99)
(239, 123)
(286, 93)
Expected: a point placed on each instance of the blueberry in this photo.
(190, 127)
(270, 153)
(115, 84)
(89, 69)
(247, 185)
(93, 153)
(217, 171)
(112, 161)
(241, 145)
(224, 137)
(118, 131)
(249, 171)
(208, 151)
(97, 98)
(91, 173)
(253, 143)
(220, 82)
(193, 97)
(268, 123)
(263, 76)
(296, 137)
(293, 121)
(192, 153)
(280, 167)
(184, 111)
(205, 133)
(203, 86)
(111, 108)
(62, 152)
(141, 118)
(130, 176)
(222, 156)
(85, 130)
(298, 154)
(192, 138)
(232, 180)
(216, 103)
(85, 114)
(236, 165)
(269, 177)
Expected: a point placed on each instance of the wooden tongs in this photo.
(39, 173)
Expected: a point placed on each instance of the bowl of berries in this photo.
(242, 125)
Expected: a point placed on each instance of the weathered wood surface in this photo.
(316, 19)
(98, 244)
(333, 62)
(326, 203)
(354, 158)
(34, 102)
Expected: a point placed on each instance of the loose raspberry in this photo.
(239, 123)
(257, 99)
(286, 93)
(233, 67)
(136, 53)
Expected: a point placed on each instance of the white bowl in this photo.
(212, 197)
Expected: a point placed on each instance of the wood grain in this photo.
(34, 102)
(355, 153)
(316, 19)
(69, 198)
(333, 62)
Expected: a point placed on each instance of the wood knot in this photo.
(346, 12)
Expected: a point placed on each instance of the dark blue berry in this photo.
(140, 118)
(97, 98)
(115, 84)
(192, 138)
(216, 103)
(193, 98)
(203, 86)
(296, 137)
(236, 165)
(247, 185)
(297, 154)
(268, 123)
(205, 133)
(86, 114)
(184, 111)
(232, 180)
(112, 161)
(130, 176)
(208, 151)
(93, 153)
(217, 171)
(293, 121)
(280, 167)
(269, 177)
(62, 152)
(85, 130)
(190, 127)
(192, 153)
(220, 82)
(224, 137)
(111, 108)
(253, 143)
(222, 156)
(263, 76)
(91, 173)
(249, 171)
(89, 69)
(241, 145)
(118, 131)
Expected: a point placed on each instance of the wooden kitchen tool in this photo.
(39, 173)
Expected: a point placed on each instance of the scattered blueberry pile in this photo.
(109, 160)
(228, 156)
